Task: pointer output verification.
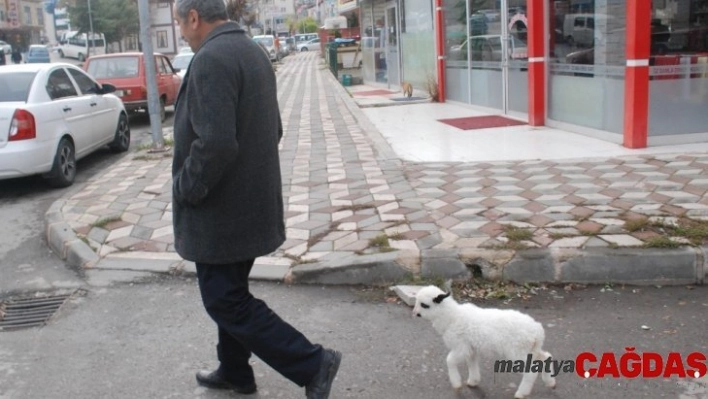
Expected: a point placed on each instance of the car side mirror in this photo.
(107, 88)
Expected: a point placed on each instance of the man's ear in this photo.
(440, 297)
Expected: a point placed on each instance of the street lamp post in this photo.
(93, 43)
(154, 108)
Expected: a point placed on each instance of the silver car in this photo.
(6, 48)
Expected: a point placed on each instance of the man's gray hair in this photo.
(208, 10)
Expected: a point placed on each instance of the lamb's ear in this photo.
(440, 297)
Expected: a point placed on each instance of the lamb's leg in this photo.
(454, 359)
(473, 369)
(526, 385)
(548, 380)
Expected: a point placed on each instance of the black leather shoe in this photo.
(321, 384)
(214, 380)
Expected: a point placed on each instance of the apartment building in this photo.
(22, 22)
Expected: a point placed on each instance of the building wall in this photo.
(165, 32)
(23, 23)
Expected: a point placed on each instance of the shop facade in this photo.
(633, 72)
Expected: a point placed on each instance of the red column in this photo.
(440, 49)
(636, 85)
(537, 63)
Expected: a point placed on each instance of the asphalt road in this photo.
(147, 340)
(26, 261)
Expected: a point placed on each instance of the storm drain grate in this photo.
(18, 313)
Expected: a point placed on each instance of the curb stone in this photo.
(351, 270)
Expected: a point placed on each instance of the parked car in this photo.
(51, 115)
(301, 38)
(290, 44)
(269, 42)
(185, 49)
(37, 53)
(126, 71)
(310, 45)
(6, 48)
(181, 62)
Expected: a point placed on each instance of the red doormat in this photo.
(373, 93)
(481, 122)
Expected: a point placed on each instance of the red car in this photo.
(126, 71)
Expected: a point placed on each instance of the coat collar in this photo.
(227, 27)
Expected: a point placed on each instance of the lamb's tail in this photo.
(542, 355)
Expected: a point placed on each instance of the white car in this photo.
(51, 115)
(6, 48)
(309, 45)
(181, 62)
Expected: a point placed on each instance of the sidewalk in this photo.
(357, 212)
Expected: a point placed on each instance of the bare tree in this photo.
(242, 11)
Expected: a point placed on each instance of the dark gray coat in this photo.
(227, 191)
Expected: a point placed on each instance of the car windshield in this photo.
(38, 51)
(14, 86)
(113, 67)
(266, 41)
(182, 61)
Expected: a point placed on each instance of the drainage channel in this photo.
(27, 312)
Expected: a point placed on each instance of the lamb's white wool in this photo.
(470, 332)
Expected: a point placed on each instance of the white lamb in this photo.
(470, 331)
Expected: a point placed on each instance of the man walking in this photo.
(16, 56)
(227, 200)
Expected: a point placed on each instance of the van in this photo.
(81, 45)
(579, 29)
(270, 44)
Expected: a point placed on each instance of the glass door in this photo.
(484, 50)
(487, 57)
(516, 58)
(393, 62)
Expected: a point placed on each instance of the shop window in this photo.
(678, 73)
(587, 63)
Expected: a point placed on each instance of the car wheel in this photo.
(163, 114)
(121, 142)
(64, 168)
(61, 54)
(303, 49)
(81, 57)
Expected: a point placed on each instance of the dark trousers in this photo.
(247, 325)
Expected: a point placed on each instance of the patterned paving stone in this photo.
(341, 189)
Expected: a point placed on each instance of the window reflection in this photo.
(678, 73)
(587, 63)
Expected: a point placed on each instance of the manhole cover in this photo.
(27, 312)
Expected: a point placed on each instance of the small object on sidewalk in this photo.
(646, 328)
